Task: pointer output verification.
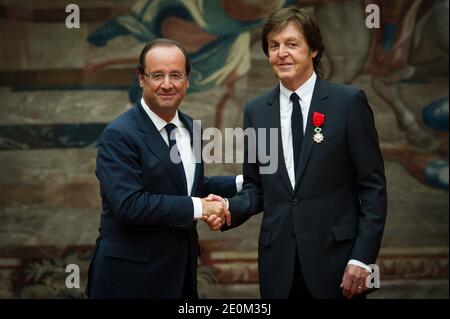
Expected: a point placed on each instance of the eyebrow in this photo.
(161, 71)
(286, 40)
(292, 39)
(173, 72)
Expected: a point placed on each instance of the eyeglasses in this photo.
(175, 77)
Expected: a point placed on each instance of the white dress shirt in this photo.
(305, 92)
(186, 153)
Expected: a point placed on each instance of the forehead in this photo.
(168, 58)
(289, 31)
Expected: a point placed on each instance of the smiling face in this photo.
(164, 97)
(290, 56)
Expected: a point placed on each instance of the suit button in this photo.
(295, 201)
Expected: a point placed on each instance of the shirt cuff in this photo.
(198, 207)
(227, 204)
(239, 181)
(360, 264)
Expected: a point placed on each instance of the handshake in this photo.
(215, 212)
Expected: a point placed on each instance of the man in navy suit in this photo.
(148, 243)
(325, 206)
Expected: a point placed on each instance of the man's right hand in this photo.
(212, 197)
(214, 220)
(211, 207)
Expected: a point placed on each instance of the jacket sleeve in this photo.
(120, 174)
(249, 201)
(368, 165)
(224, 186)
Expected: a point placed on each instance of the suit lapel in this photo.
(195, 143)
(153, 139)
(273, 114)
(317, 105)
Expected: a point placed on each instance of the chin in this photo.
(285, 79)
(168, 102)
(168, 106)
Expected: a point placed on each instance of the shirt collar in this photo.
(304, 91)
(159, 122)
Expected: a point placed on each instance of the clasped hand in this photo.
(215, 212)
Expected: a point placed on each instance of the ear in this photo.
(187, 84)
(314, 53)
(140, 77)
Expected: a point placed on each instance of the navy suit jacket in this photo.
(148, 241)
(337, 210)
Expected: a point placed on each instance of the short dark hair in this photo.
(306, 24)
(163, 42)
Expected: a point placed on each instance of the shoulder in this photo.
(343, 96)
(263, 99)
(339, 89)
(124, 124)
(348, 99)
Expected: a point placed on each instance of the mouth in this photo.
(166, 95)
(284, 66)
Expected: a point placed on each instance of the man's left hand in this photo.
(214, 222)
(212, 197)
(354, 281)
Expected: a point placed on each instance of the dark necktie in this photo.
(297, 129)
(173, 144)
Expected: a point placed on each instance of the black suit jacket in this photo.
(337, 210)
(148, 241)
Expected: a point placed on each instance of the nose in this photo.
(166, 84)
(282, 52)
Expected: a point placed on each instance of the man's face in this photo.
(290, 56)
(164, 93)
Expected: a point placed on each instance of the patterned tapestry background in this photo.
(60, 86)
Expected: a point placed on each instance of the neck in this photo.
(294, 85)
(166, 115)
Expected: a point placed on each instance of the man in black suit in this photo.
(148, 243)
(325, 205)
